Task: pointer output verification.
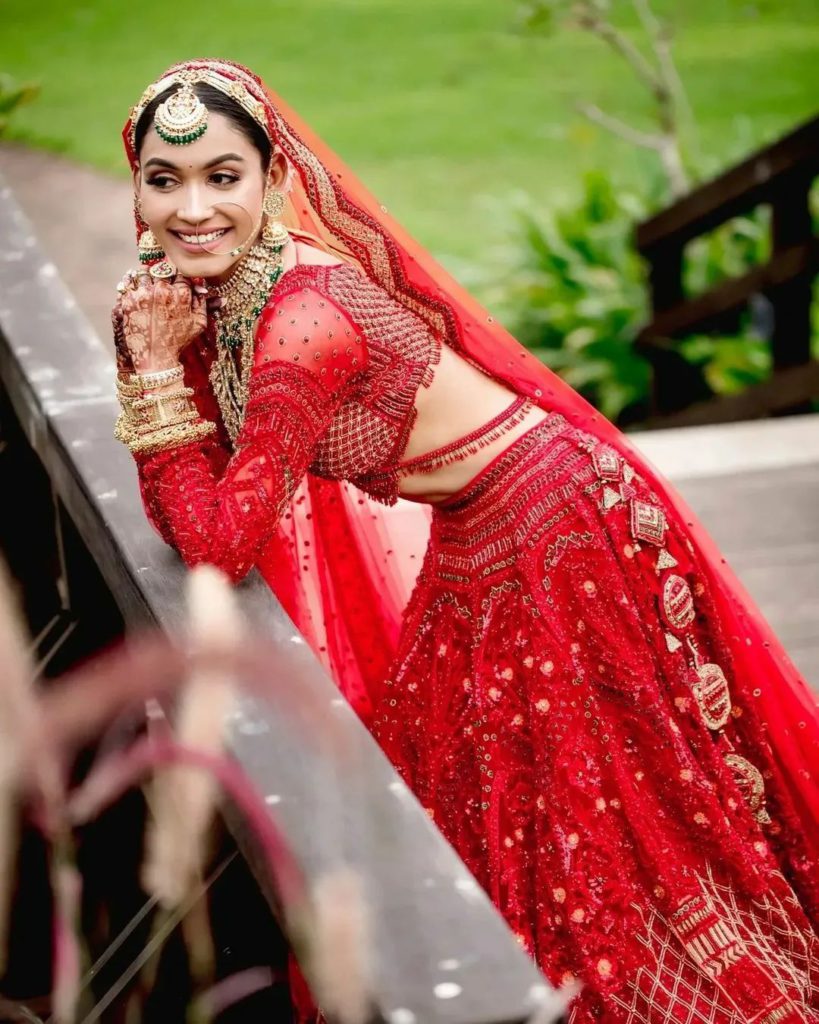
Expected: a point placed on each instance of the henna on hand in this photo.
(159, 318)
(125, 364)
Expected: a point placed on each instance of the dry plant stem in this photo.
(22, 747)
(88, 699)
(107, 783)
(198, 936)
(160, 936)
(66, 885)
(151, 667)
(339, 947)
(237, 987)
(660, 34)
(16, 1013)
(17, 722)
(9, 832)
(163, 925)
(183, 798)
(112, 947)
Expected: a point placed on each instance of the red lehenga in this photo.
(578, 690)
(560, 704)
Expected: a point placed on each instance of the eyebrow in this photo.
(157, 161)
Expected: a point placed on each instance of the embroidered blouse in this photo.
(337, 365)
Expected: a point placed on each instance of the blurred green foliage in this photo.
(578, 297)
(441, 106)
(13, 94)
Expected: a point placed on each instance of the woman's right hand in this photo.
(155, 319)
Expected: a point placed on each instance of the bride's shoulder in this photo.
(310, 255)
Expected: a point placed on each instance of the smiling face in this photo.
(204, 199)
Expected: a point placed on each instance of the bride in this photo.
(570, 678)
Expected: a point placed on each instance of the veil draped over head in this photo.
(345, 565)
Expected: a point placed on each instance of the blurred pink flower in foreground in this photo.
(182, 798)
(40, 734)
(17, 715)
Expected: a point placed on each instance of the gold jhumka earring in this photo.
(149, 249)
(274, 232)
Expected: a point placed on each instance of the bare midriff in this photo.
(458, 403)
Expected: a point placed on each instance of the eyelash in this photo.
(161, 180)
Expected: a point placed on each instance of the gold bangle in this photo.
(125, 389)
(158, 409)
(131, 425)
(159, 415)
(127, 414)
(149, 426)
(170, 437)
(123, 429)
(169, 396)
(159, 378)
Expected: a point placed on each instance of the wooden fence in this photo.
(781, 177)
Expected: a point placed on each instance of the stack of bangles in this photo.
(150, 422)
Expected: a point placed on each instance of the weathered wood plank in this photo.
(736, 191)
(707, 312)
(783, 391)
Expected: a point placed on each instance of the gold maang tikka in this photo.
(182, 118)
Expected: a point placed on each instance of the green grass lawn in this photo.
(441, 106)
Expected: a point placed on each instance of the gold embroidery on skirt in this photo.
(678, 602)
(663, 989)
(751, 784)
(712, 695)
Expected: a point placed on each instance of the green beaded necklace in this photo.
(244, 297)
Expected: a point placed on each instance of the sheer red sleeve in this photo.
(222, 511)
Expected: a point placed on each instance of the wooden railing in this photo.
(781, 177)
(443, 953)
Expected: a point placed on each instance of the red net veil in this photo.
(345, 566)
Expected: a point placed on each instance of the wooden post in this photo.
(676, 384)
(792, 225)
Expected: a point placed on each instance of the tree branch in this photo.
(675, 169)
(635, 136)
(671, 99)
(590, 19)
(660, 34)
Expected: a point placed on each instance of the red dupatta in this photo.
(345, 565)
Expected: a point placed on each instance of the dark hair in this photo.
(218, 103)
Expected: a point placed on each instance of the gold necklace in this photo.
(244, 296)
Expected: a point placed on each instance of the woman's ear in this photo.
(277, 174)
(137, 180)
